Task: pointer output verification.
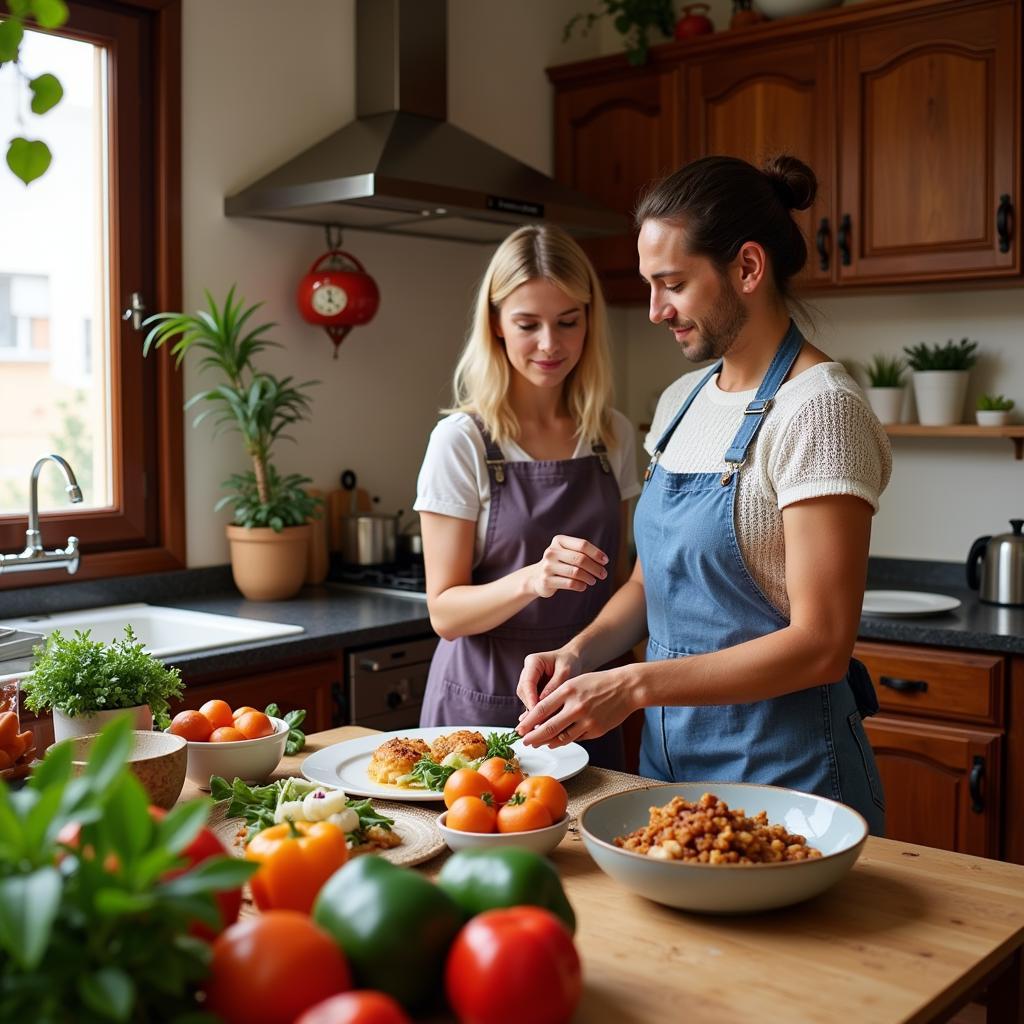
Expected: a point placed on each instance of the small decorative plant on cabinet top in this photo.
(632, 19)
(885, 387)
(940, 379)
(271, 534)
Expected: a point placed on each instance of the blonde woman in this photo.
(524, 488)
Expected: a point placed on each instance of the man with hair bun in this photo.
(754, 523)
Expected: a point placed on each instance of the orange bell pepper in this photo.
(295, 859)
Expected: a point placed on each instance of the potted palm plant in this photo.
(270, 536)
(885, 387)
(940, 380)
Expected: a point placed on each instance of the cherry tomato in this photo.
(464, 782)
(219, 713)
(471, 814)
(270, 968)
(503, 776)
(523, 814)
(550, 792)
(513, 965)
(367, 1007)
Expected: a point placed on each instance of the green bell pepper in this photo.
(394, 926)
(479, 880)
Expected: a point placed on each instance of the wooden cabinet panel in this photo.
(929, 112)
(769, 101)
(942, 784)
(934, 682)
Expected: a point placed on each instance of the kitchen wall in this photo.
(259, 88)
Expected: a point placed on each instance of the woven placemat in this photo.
(594, 783)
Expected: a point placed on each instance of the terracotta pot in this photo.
(269, 566)
(65, 726)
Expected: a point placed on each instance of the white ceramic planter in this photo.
(940, 396)
(992, 417)
(66, 726)
(886, 403)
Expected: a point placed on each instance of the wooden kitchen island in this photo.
(910, 935)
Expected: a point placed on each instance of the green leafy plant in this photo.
(994, 403)
(885, 371)
(632, 19)
(80, 676)
(951, 356)
(91, 928)
(27, 158)
(259, 406)
(293, 719)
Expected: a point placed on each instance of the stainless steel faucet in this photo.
(35, 556)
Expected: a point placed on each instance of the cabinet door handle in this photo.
(822, 242)
(974, 785)
(843, 239)
(904, 685)
(1004, 222)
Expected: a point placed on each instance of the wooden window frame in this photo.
(144, 531)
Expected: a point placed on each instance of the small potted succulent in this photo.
(86, 683)
(940, 380)
(885, 387)
(993, 410)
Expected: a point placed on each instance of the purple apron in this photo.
(473, 678)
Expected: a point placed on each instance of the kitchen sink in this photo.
(163, 631)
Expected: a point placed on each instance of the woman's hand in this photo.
(581, 708)
(550, 669)
(568, 563)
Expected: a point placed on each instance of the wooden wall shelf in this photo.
(1014, 433)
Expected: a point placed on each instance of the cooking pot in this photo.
(368, 538)
(995, 567)
(410, 541)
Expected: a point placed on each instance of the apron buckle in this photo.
(498, 465)
(734, 467)
(602, 453)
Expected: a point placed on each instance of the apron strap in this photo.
(671, 428)
(493, 454)
(602, 453)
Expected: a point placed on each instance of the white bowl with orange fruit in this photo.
(495, 805)
(245, 743)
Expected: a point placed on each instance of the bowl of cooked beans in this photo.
(723, 848)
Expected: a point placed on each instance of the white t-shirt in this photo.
(819, 438)
(454, 481)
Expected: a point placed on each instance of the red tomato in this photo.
(204, 846)
(513, 965)
(270, 968)
(367, 1007)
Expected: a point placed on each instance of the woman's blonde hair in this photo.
(482, 376)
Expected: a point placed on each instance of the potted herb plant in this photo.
(270, 536)
(632, 20)
(940, 380)
(885, 387)
(86, 682)
(993, 410)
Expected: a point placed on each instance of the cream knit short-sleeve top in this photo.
(819, 438)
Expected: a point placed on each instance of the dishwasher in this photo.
(386, 684)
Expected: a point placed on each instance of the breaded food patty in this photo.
(395, 758)
(469, 743)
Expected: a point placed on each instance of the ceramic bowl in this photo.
(248, 760)
(540, 840)
(157, 760)
(835, 829)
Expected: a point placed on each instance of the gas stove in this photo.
(406, 580)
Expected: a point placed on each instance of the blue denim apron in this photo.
(702, 598)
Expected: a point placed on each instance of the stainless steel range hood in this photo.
(400, 166)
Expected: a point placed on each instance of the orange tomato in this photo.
(471, 814)
(219, 713)
(8, 729)
(550, 792)
(523, 814)
(503, 776)
(21, 742)
(226, 734)
(192, 725)
(5, 759)
(254, 724)
(244, 710)
(465, 782)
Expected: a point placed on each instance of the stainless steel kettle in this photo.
(995, 566)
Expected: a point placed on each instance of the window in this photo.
(100, 225)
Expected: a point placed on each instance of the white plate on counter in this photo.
(344, 764)
(906, 603)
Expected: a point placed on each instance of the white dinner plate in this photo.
(906, 603)
(344, 764)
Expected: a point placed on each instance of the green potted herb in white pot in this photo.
(993, 410)
(86, 682)
(270, 536)
(940, 380)
(885, 387)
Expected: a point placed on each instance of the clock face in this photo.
(329, 300)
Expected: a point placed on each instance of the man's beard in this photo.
(716, 333)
